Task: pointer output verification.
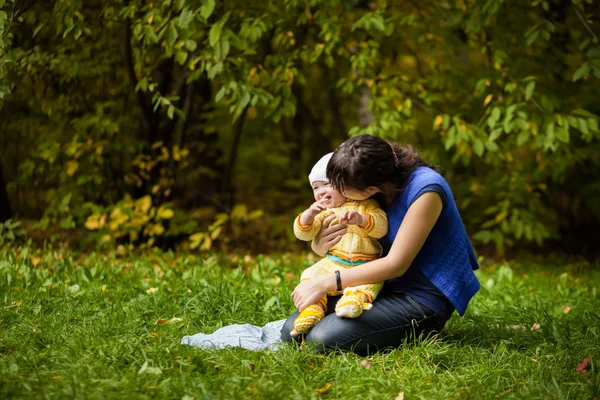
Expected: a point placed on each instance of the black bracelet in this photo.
(338, 280)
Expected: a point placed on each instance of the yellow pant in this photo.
(327, 266)
(354, 300)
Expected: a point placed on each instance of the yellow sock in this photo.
(309, 318)
(352, 304)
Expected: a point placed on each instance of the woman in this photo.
(428, 259)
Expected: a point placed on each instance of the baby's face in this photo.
(322, 190)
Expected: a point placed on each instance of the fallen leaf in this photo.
(581, 367)
(366, 364)
(153, 334)
(189, 291)
(400, 395)
(520, 327)
(149, 370)
(152, 290)
(175, 319)
(252, 366)
(161, 321)
(535, 327)
(324, 388)
(74, 289)
(567, 309)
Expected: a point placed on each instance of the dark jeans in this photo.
(394, 317)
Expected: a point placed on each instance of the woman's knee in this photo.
(287, 328)
(329, 334)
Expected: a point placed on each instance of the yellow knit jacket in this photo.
(359, 243)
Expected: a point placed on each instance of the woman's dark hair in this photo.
(366, 160)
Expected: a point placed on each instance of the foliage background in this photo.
(193, 123)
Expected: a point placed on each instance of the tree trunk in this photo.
(5, 210)
(227, 188)
(365, 115)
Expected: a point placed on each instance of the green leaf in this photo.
(215, 32)
(190, 45)
(222, 48)
(562, 135)
(181, 56)
(584, 44)
(245, 99)
(495, 114)
(220, 94)
(532, 37)
(582, 72)
(529, 90)
(378, 23)
(583, 126)
(594, 52)
(207, 8)
(478, 147)
(69, 25)
(171, 34)
(37, 30)
(507, 123)
(214, 70)
(495, 134)
(142, 85)
(550, 130)
(583, 113)
(185, 18)
(446, 121)
(522, 138)
(491, 146)
(593, 125)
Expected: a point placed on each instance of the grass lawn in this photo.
(85, 326)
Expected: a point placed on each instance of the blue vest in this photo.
(447, 258)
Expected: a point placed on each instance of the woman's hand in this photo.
(311, 291)
(328, 236)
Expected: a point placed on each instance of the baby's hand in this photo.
(316, 208)
(352, 218)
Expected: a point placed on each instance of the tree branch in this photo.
(148, 115)
(584, 22)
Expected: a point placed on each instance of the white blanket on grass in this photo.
(246, 336)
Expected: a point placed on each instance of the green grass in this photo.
(84, 326)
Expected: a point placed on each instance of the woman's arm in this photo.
(416, 226)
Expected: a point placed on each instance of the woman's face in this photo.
(359, 195)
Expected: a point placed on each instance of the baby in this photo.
(366, 222)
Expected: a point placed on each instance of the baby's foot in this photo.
(307, 319)
(352, 304)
